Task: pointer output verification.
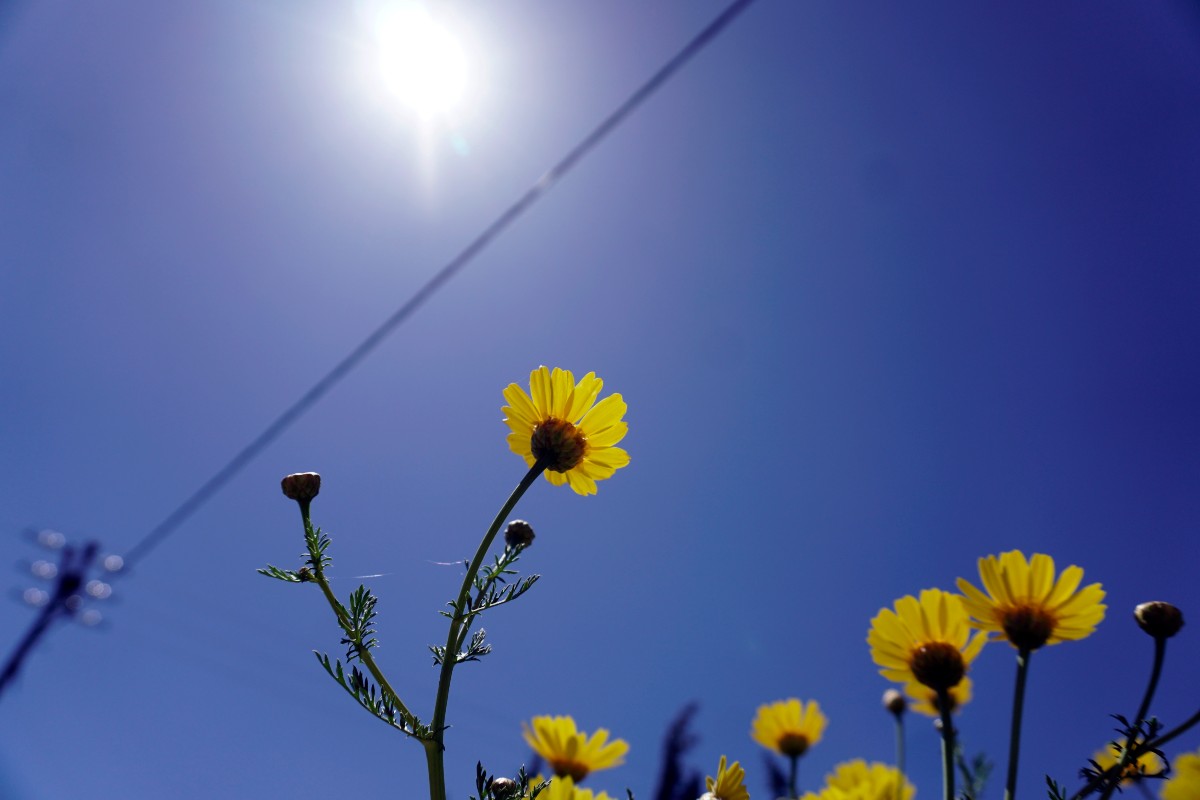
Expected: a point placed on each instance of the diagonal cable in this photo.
(171, 523)
(322, 387)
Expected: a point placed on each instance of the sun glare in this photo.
(419, 60)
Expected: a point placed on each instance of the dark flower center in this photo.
(1028, 628)
(792, 745)
(565, 767)
(938, 665)
(558, 445)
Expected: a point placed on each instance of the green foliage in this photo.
(379, 702)
(1055, 790)
(475, 650)
(974, 773)
(287, 575)
(315, 559)
(359, 624)
(492, 587)
(317, 543)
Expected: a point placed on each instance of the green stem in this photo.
(793, 773)
(459, 624)
(900, 755)
(436, 769)
(943, 703)
(364, 654)
(1160, 653)
(1014, 741)
(1160, 650)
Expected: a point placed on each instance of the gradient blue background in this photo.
(887, 287)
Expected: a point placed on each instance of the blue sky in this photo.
(886, 289)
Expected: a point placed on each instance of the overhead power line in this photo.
(181, 513)
(322, 387)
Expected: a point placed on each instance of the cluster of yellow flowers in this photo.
(925, 643)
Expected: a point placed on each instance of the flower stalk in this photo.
(363, 652)
(1014, 738)
(1160, 651)
(947, 725)
(460, 624)
(900, 766)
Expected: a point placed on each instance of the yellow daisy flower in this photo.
(859, 780)
(565, 789)
(1027, 606)
(1184, 783)
(926, 640)
(1146, 764)
(561, 425)
(789, 727)
(571, 752)
(728, 783)
(923, 700)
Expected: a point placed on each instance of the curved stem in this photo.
(943, 703)
(1160, 653)
(459, 624)
(1124, 760)
(364, 654)
(1014, 740)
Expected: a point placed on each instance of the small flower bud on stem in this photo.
(302, 487)
(1160, 620)
(519, 533)
(503, 788)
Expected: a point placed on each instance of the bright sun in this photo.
(419, 60)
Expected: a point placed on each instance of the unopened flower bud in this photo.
(503, 788)
(519, 533)
(894, 702)
(305, 575)
(302, 486)
(1160, 620)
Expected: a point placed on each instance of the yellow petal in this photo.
(609, 436)
(519, 404)
(603, 415)
(1041, 577)
(562, 385)
(541, 392)
(581, 483)
(1068, 582)
(585, 395)
(613, 457)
